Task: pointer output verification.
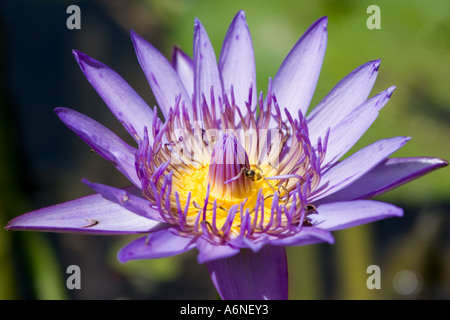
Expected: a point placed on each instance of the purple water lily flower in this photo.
(236, 175)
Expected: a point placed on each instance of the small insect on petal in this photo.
(92, 222)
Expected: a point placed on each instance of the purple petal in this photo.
(92, 214)
(341, 215)
(158, 244)
(345, 134)
(128, 107)
(131, 202)
(388, 175)
(106, 143)
(296, 80)
(355, 166)
(252, 276)
(164, 81)
(254, 244)
(306, 236)
(237, 62)
(209, 251)
(184, 66)
(348, 94)
(206, 72)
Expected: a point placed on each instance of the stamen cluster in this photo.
(231, 173)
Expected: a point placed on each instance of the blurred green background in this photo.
(42, 162)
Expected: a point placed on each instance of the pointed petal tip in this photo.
(61, 111)
(173, 58)
(402, 140)
(134, 35)
(391, 90)
(198, 26)
(135, 38)
(439, 162)
(329, 238)
(372, 65)
(407, 139)
(239, 20)
(86, 61)
(90, 184)
(320, 26)
(376, 64)
(80, 56)
(240, 15)
(197, 23)
(75, 52)
(398, 212)
(9, 226)
(323, 22)
(16, 225)
(138, 41)
(385, 96)
(122, 258)
(58, 110)
(178, 52)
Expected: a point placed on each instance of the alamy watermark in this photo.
(74, 279)
(374, 280)
(74, 20)
(196, 146)
(374, 20)
(404, 282)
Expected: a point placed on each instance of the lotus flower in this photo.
(235, 175)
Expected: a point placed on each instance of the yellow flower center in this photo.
(194, 181)
(227, 181)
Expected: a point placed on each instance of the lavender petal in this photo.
(252, 276)
(344, 173)
(209, 251)
(348, 94)
(206, 72)
(306, 236)
(131, 202)
(296, 80)
(389, 174)
(90, 215)
(128, 107)
(103, 141)
(345, 134)
(184, 66)
(237, 62)
(164, 81)
(346, 214)
(158, 244)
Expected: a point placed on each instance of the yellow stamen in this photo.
(195, 181)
